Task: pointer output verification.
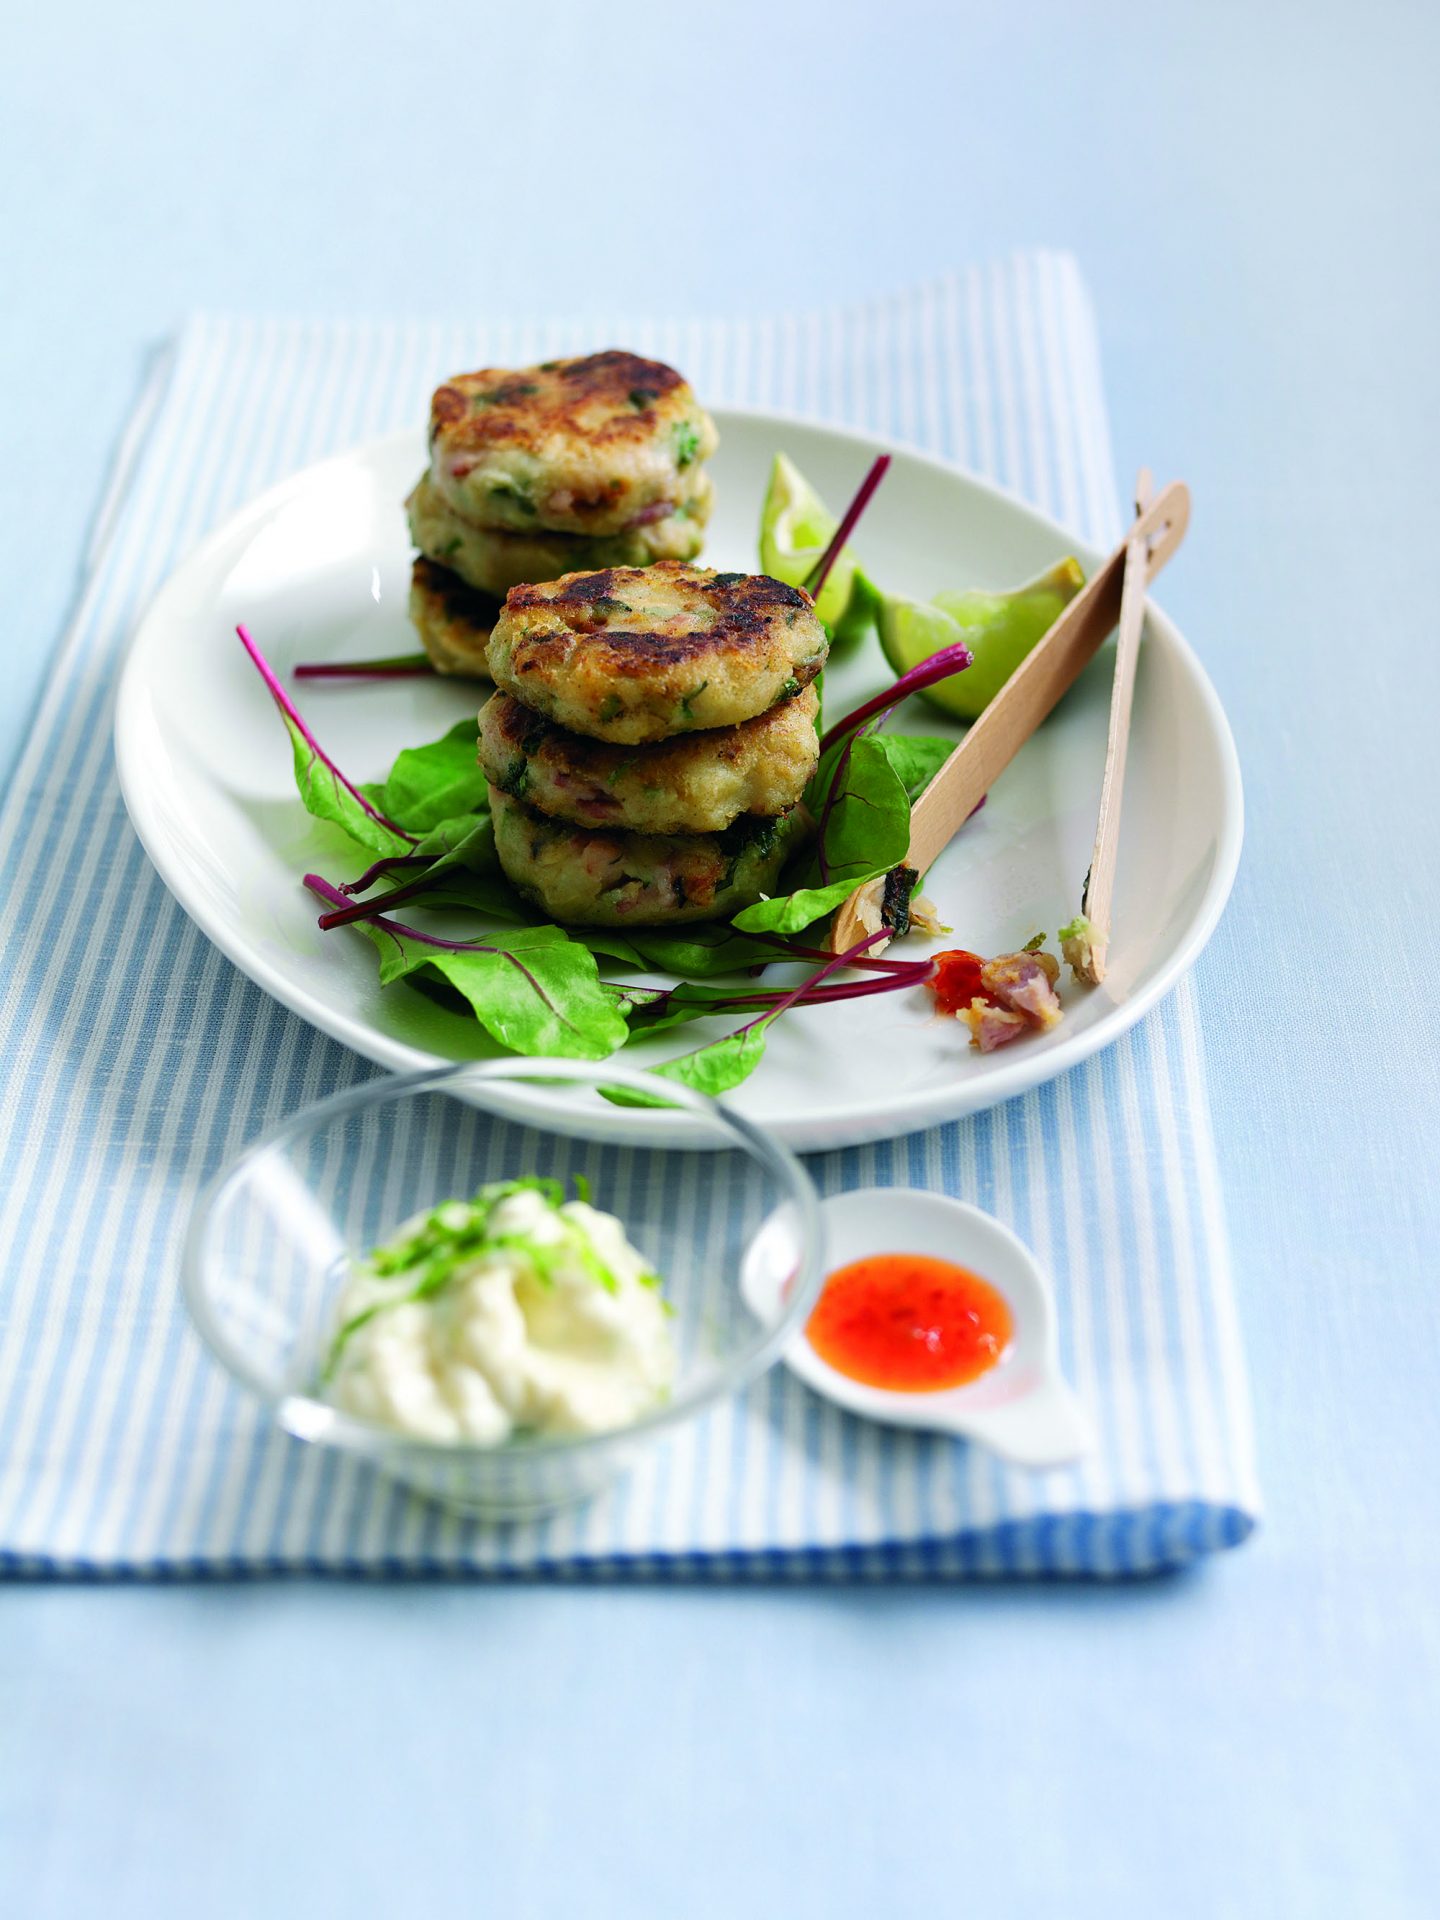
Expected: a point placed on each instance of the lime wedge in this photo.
(999, 629)
(795, 528)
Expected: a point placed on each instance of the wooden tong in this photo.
(1089, 954)
(1048, 671)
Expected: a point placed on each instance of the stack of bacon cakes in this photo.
(572, 465)
(652, 734)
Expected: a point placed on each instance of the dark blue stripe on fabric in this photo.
(1173, 1537)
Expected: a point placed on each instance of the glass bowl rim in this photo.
(310, 1418)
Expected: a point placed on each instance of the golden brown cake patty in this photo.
(597, 445)
(587, 878)
(452, 619)
(697, 783)
(634, 655)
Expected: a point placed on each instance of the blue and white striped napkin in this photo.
(135, 1059)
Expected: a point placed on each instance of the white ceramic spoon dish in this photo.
(1022, 1409)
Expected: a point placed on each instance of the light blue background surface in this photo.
(1252, 192)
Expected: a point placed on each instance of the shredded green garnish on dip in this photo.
(457, 1233)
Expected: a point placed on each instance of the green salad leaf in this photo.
(702, 952)
(323, 787)
(466, 843)
(533, 989)
(916, 758)
(433, 786)
(706, 951)
(489, 894)
(329, 796)
(723, 1064)
(714, 1068)
(860, 797)
(654, 1009)
(862, 815)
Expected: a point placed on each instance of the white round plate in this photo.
(319, 568)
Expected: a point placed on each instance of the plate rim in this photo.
(852, 1124)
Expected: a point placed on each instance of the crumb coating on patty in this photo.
(638, 655)
(453, 621)
(581, 877)
(595, 446)
(698, 783)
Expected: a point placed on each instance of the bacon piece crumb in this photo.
(998, 999)
(991, 1026)
(1025, 984)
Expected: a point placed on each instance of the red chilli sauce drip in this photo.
(956, 980)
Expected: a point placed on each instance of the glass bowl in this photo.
(274, 1238)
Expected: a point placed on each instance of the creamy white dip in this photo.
(490, 1316)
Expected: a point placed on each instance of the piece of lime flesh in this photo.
(1000, 629)
(795, 528)
(911, 631)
